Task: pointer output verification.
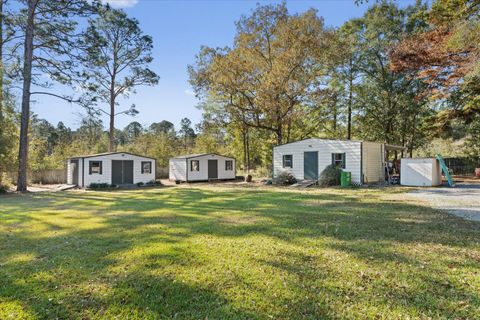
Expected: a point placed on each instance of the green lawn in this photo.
(234, 253)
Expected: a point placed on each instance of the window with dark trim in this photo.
(288, 161)
(95, 167)
(146, 167)
(228, 165)
(338, 159)
(194, 165)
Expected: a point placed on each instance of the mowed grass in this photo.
(211, 252)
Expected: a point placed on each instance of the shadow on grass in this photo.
(113, 254)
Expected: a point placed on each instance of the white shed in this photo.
(117, 168)
(306, 159)
(202, 167)
(420, 172)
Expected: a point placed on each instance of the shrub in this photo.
(100, 186)
(153, 183)
(140, 184)
(3, 189)
(330, 176)
(285, 179)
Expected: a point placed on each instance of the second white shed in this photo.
(420, 172)
(202, 167)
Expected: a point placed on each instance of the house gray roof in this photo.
(108, 153)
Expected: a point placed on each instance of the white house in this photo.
(202, 167)
(306, 159)
(117, 168)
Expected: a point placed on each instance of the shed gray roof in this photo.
(108, 153)
(196, 155)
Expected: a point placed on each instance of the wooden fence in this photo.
(54, 176)
(59, 176)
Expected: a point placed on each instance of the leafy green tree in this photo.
(270, 69)
(186, 132)
(132, 131)
(116, 58)
(163, 126)
(472, 142)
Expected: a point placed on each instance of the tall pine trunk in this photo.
(111, 132)
(350, 103)
(1, 79)
(27, 81)
(1, 70)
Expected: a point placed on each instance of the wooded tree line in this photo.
(406, 76)
(52, 145)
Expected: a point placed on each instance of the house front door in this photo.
(212, 169)
(310, 165)
(122, 172)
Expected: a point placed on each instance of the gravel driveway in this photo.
(463, 200)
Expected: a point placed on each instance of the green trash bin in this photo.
(346, 179)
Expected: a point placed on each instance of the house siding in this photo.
(325, 148)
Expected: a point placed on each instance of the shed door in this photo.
(122, 172)
(74, 171)
(310, 165)
(212, 169)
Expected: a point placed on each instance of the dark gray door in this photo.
(117, 172)
(122, 172)
(128, 172)
(74, 169)
(212, 169)
(310, 165)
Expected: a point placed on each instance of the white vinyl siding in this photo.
(373, 162)
(177, 170)
(179, 166)
(325, 150)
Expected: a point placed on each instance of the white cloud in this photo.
(189, 92)
(121, 3)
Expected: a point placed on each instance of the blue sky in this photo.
(178, 29)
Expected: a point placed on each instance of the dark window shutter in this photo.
(101, 165)
(344, 160)
(90, 167)
(333, 158)
(283, 161)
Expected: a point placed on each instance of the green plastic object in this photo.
(444, 169)
(346, 179)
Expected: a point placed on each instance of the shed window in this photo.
(95, 167)
(287, 161)
(338, 159)
(146, 167)
(228, 165)
(194, 165)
